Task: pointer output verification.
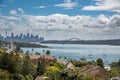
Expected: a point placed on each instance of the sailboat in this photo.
(90, 55)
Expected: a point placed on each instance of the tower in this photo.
(11, 46)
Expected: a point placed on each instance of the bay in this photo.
(108, 53)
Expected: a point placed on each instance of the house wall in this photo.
(70, 66)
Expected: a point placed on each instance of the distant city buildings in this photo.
(22, 38)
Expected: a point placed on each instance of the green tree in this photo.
(28, 67)
(41, 66)
(53, 75)
(59, 65)
(100, 62)
(10, 62)
(48, 52)
(27, 53)
(37, 53)
(63, 74)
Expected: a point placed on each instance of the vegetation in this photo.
(101, 42)
(41, 67)
(23, 44)
(16, 67)
(48, 52)
(100, 62)
(115, 69)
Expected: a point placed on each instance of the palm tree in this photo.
(48, 52)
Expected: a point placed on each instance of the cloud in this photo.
(41, 7)
(21, 10)
(68, 4)
(62, 26)
(108, 5)
(13, 12)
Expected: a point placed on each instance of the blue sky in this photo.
(61, 19)
(47, 7)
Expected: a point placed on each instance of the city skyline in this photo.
(62, 19)
(22, 37)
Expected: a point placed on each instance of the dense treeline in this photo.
(16, 67)
(101, 42)
(23, 44)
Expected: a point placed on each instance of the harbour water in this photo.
(108, 53)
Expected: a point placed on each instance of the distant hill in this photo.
(100, 42)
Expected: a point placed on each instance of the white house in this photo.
(107, 67)
(67, 63)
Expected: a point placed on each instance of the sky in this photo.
(61, 19)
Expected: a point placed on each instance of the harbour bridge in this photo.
(73, 39)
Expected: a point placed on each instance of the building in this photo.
(22, 38)
(67, 63)
(107, 67)
(34, 58)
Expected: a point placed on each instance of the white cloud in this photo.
(68, 4)
(13, 12)
(41, 7)
(109, 5)
(60, 26)
(21, 10)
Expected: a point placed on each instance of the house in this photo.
(107, 67)
(41, 78)
(67, 63)
(34, 58)
(115, 78)
(48, 58)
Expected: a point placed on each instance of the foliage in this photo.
(79, 63)
(27, 67)
(37, 53)
(18, 67)
(27, 53)
(53, 75)
(113, 72)
(1, 51)
(115, 69)
(16, 76)
(100, 62)
(59, 65)
(48, 52)
(88, 78)
(4, 75)
(41, 66)
(29, 77)
(52, 68)
(10, 62)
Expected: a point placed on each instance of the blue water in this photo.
(76, 51)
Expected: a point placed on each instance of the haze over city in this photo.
(61, 19)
